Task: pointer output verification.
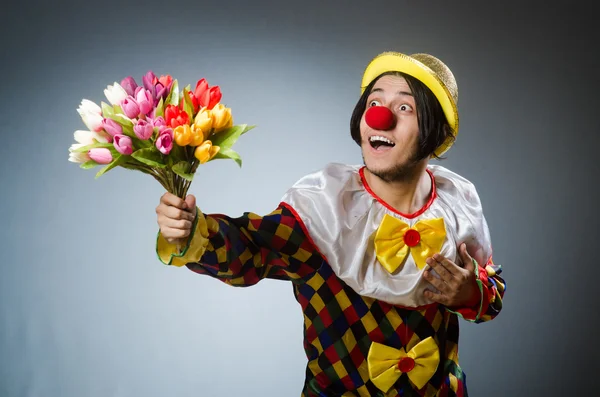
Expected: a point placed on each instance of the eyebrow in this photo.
(399, 92)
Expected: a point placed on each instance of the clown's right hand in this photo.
(176, 217)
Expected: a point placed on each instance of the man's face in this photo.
(391, 154)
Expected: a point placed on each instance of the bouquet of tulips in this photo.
(157, 129)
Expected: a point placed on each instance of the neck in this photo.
(407, 195)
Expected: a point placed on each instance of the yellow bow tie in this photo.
(387, 364)
(394, 239)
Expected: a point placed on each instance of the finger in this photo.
(190, 203)
(170, 233)
(436, 282)
(175, 213)
(440, 269)
(172, 200)
(466, 258)
(450, 266)
(175, 223)
(436, 297)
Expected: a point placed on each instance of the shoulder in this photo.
(335, 191)
(458, 196)
(331, 173)
(332, 179)
(452, 186)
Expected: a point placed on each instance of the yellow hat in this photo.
(430, 71)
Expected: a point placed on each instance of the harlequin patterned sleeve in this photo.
(244, 250)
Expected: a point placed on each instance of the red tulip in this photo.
(175, 116)
(206, 96)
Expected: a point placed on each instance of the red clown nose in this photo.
(379, 118)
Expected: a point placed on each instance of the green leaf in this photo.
(120, 159)
(188, 105)
(114, 153)
(88, 164)
(160, 111)
(150, 156)
(176, 154)
(128, 130)
(226, 138)
(84, 149)
(107, 110)
(140, 144)
(123, 120)
(227, 153)
(247, 128)
(173, 97)
(183, 170)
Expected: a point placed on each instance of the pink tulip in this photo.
(130, 107)
(100, 155)
(164, 143)
(143, 129)
(129, 85)
(112, 127)
(123, 144)
(144, 100)
(160, 123)
(148, 81)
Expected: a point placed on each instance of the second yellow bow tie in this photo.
(387, 364)
(395, 239)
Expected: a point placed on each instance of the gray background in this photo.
(86, 309)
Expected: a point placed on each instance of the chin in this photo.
(388, 170)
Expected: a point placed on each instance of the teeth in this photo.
(381, 139)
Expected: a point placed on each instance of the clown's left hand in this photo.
(457, 285)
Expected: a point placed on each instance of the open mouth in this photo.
(380, 142)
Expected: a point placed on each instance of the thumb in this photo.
(190, 203)
(466, 258)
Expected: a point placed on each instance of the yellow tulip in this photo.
(206, 151)
(183, 135)
(197, 136)
(221, 117)
(204, 121)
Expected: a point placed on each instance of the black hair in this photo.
(434, 129)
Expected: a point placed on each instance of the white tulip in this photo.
(88, 137)
(115, 93)
(75, 157)
(91, 114)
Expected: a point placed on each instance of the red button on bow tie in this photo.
(412, 237)
(406, 364)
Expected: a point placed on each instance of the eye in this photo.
(405, 108)
(374, 102)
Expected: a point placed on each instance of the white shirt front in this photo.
(342, 214)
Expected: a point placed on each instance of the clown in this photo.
(384, 257)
